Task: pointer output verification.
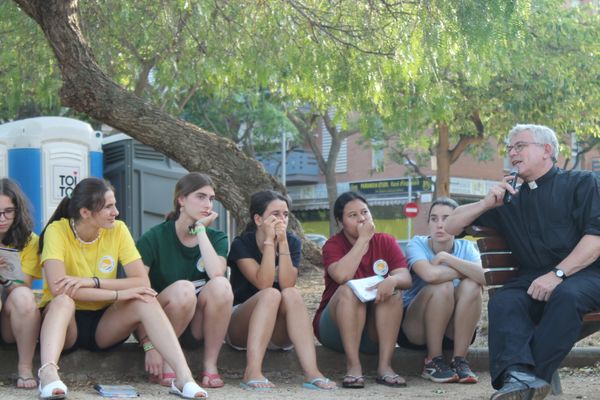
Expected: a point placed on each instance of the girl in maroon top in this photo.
(342, 321)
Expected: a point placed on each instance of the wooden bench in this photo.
(500, 266)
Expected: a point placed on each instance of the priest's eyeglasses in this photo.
(519, 146)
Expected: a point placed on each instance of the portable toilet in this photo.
(47, 156)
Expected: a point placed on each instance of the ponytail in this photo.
(62, 211)
(89, 194)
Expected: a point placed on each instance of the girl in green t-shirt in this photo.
(187, 266)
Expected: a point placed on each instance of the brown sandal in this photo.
(353, 382)
(23, 380)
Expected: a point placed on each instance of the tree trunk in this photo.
(442, 180)
(332, 194)
(86, 88)
(307, 126)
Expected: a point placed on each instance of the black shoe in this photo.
(522, 386)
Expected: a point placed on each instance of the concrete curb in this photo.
(128, 361)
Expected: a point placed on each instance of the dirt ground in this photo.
(581, 385)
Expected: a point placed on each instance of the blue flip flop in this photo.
(313, 384)
(253, 384)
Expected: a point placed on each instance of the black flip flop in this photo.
(24, 379)
(353, 382)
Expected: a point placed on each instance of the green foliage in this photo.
(403, 65)
(250, 119)
(543, 68)
(28, 72)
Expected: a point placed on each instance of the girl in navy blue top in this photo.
(268, 309)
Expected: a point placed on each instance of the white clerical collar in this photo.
(532, 185)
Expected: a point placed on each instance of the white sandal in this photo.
(190, 390)
(47, 392)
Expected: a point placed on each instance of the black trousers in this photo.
(536, 333)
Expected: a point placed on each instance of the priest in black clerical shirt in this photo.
(552, 226)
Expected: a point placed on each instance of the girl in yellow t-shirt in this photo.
(20, 317)
(85, 305)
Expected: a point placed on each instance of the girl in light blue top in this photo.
(443, 305)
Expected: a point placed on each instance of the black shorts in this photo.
(188, 341)
(3, 343)
(447, 343)
(87, 324)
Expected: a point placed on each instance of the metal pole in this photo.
(283, 157)
(409, 225)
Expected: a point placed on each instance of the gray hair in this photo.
(541, 134)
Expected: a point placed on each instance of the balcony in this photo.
(301, 166)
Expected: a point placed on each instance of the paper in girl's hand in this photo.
(363, 288)
(11, 267)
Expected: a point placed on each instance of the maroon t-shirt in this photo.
(381, 246)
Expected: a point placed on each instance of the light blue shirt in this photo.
(418, 249)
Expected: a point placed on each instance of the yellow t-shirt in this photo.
(30, 259)
(100, 258)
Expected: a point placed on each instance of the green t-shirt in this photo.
(170, 261)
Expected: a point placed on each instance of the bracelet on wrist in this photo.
(196, 229)
(147, 346)
(7, 283)
(284, 253)
(267, 243)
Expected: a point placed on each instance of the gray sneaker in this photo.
(460, 365)
(437, 370)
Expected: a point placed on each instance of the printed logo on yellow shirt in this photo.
(200, 264)
(106, 264)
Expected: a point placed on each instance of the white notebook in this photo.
(12, 269)
(360, 286)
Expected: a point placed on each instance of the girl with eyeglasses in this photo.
(20, 317)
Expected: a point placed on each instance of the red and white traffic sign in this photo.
(411, 209)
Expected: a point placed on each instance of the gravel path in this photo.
(583, 384)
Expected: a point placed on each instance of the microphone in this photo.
(508, 196)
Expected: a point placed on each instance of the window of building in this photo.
(377, 155)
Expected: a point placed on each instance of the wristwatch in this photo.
(560, 273)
